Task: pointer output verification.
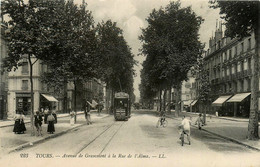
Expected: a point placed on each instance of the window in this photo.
(235, 50)
(245, 65)
(187, 97)
(230, 53)
(233, 69)
(249, 44)
(249, 84)
(249, 63)
(242, 85)
(242, 47)
(25, 68)
(230, 87)
(24, 84)
(238, 67)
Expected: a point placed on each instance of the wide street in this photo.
(138, 140)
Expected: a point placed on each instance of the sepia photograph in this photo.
(130, 83)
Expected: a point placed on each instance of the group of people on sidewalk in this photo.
(50, 118)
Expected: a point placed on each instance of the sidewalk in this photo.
(11, 142)
(232, 129)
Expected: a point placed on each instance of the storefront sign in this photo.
(23, 95)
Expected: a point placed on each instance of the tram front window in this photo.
(121, 104)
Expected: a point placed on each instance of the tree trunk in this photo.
(178, 100)
(253, 116)
(164, 100)
(75, 100)
(65, 99)
(112, 101)
(32, 97)
(161, 103)
(206, 107)
(169, 100)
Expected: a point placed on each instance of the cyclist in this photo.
(185, 125)
(162, 118)
(199, 122)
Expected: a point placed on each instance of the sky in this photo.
(130, 16)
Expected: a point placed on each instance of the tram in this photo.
(122, 106)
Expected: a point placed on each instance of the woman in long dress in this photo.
(51, 121)
(19, 126)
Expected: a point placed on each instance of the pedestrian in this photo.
(72, 117)
(199, 121)
(88, 115)
(19, 126)
(185, 126)
(38, 123)
(46, 113)
(51, 121)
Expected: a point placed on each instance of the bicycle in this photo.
(162, 122)
(182, 135)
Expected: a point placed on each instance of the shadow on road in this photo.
(216, 143)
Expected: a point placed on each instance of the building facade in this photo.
(3, 74)
(19, 97)
(229, 64)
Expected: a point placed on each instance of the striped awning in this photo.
(50, 98)
(238, 97)
(194, 102)
(221, 100)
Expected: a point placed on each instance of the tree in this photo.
(115, 58)
(171, 43)
(72, 43)
(204, 88)
(242, 18)
(24, 36)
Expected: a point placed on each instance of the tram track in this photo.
(115, 127)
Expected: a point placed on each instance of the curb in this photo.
(31, 144)
(27, 122)
(231, 139)
(224, 137)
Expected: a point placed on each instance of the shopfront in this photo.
(241, 104)
(221, 107)
(23, 102)
(48, 101)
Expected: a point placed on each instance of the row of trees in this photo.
(171, 46)
(163, 47)
(63, 35)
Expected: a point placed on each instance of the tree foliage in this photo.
(115, 57)
(171, 46)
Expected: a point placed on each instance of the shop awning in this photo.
(194, 102)
(187, 102)
(49, 98)
(221, 100)
(238, 97)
